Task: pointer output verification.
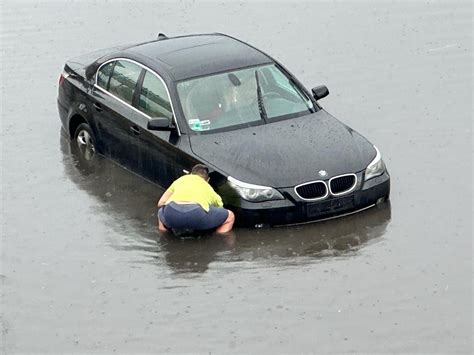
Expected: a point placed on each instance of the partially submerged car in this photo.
(276, 156)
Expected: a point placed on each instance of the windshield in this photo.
(246, 96)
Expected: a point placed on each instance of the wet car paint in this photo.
(83, 269)
(287, 153)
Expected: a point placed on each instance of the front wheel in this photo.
(85, 141)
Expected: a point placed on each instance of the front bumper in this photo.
(293, 211)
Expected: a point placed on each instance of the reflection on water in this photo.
(129, 202)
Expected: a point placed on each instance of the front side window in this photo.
(154, 99)
(247, 96)
(124, 79)
(104, 74)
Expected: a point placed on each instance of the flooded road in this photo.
(83, 268)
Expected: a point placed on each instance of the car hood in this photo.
(286, 153)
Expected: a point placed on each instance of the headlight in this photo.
(376, 166)
(254, 193)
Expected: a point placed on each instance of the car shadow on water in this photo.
(129, 203)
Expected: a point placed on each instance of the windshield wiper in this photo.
(261, 107)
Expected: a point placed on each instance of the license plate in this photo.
(334, 205)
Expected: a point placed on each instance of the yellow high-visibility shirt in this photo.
(193, 188)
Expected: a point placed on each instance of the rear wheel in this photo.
(85, 141)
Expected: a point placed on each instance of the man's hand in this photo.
(165, 197)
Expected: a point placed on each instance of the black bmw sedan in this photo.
(159, 107)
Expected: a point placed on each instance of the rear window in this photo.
(124, 79)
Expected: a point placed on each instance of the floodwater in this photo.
(83, 268)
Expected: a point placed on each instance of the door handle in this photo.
(97, 106)
(135, 130)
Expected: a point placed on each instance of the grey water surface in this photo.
(84, 270)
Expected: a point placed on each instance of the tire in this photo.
(85, 141)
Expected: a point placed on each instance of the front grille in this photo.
(341, 184)
(312, 190)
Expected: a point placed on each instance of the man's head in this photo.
(201, 170)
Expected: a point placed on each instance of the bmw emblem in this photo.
(323, 173)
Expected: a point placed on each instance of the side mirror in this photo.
(159, 124)
(319, 92)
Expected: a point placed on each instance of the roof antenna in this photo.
(162, 36)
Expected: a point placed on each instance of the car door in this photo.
(162, 153)
(117, 121)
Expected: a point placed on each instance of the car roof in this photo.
(191, 56)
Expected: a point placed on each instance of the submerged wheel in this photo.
(85, 141)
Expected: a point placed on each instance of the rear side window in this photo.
(154, 100)
(104, 74)
(124, 79)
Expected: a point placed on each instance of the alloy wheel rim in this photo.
(84, 138)
(85, 144)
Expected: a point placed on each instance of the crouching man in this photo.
(191, 203)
